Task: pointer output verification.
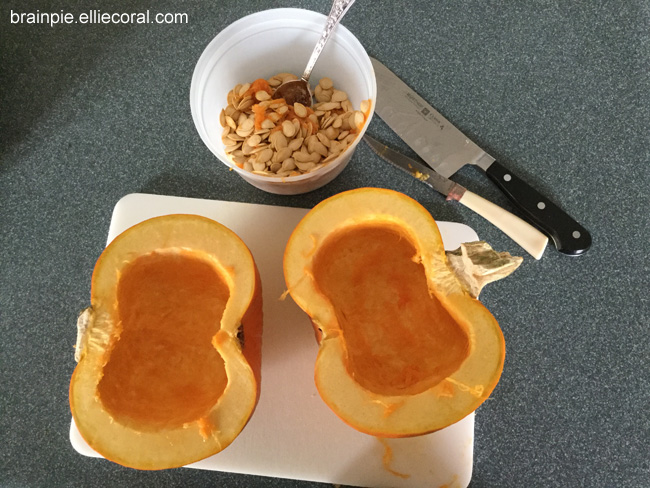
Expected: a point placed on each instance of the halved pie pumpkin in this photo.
(404, 349)
(169, 365)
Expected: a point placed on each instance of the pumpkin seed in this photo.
(267, 124)
(326, 83)
(259, 165)
(297, 125)
(330, 158)
(301, 157)
(332, 133)
(328, 106)
(262, 95)
(233, 146)
(244, 133)
(295, 144)
(274, 81)
(288, 164)
(235, 137)
(287, 76)
(323, 96)
(245, 103)
(335, 148)
(306, 166)
(288, 129)
(359, 119)
(307, 130)
(278, 140)
(259, 148)
(300, 110)
(327, 121)
(320, 148)
(282, 155)
(265, 155)
(324, 140)
(239, 160)
(345, 121)
(254, 140)
(246, 149)
(339, 96)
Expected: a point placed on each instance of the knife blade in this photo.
(446, 149)
(520, 231)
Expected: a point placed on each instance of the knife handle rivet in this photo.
(541, 205)
(507, 177)
(576, 234)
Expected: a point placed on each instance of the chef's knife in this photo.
(520, 231)
(446, 149)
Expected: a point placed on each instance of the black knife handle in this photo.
(567, 234)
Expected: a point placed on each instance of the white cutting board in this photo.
(292, 433)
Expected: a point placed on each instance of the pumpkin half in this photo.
(169, 367)
(404, 349)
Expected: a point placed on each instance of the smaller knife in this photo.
(520, 231)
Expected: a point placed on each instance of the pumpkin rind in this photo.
(416, 410)
(131, 440)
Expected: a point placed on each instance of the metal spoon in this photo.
(298, 90)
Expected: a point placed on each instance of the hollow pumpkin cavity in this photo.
(163, 370)
(399, 338)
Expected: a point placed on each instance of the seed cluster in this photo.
(268, 137)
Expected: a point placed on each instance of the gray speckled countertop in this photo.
(558, 91)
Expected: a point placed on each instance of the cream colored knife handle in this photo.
(520, 231)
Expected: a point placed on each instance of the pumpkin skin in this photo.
(404, 350)
(169, 371)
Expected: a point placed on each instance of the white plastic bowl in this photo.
(260, 46)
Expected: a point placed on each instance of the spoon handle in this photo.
(339, 9)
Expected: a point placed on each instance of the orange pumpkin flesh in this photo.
(163, 379)
(399, 339)
(404, 350)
